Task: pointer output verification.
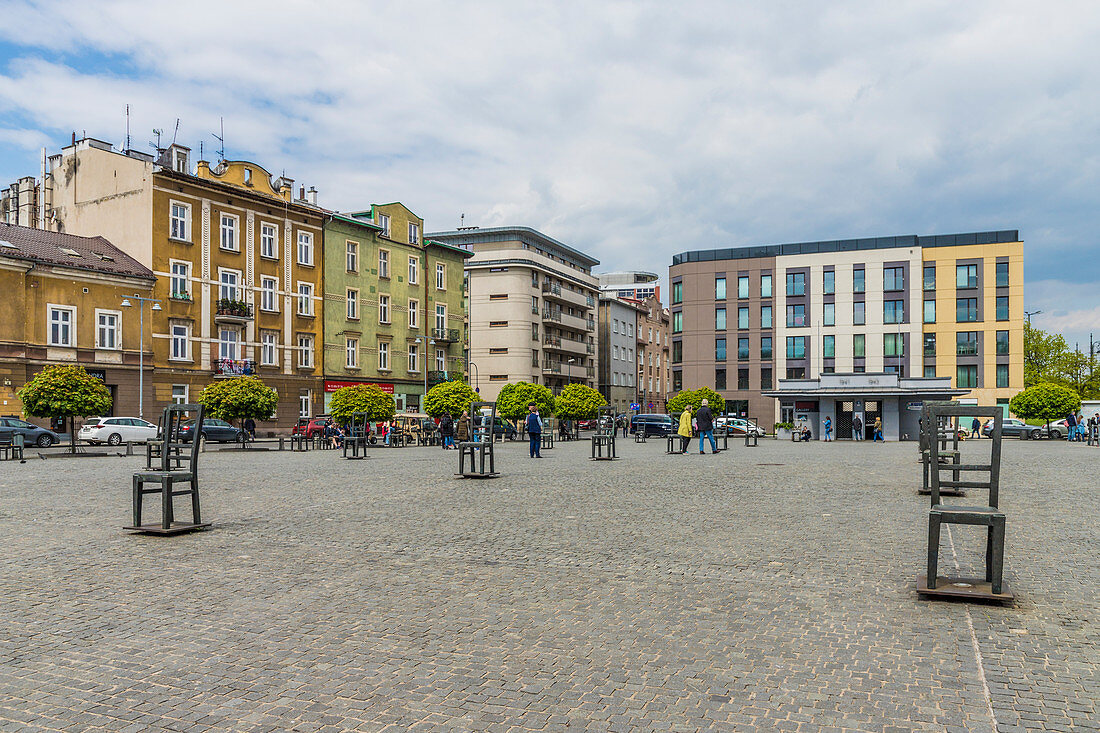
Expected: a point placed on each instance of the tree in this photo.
(1045, 356)
(239, 398)
(578, 401)
(513, 400)
(368, 398)
(65, 391)
(695, 397)
(449, 397)
(1047, 401)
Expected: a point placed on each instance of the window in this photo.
(228, 342)
(305, 403)
(414, 314)
(677, 352)
(383, 263)
(351, 262)
(179, 222)
(743, 286)
(796, 347)
(441, 317)
(534, 332)
(229, 232)
(305, 248)
(305, 299)
(268, 234)
(268, 286)
(414, 269)
(107, 334)
(179, 394)
(929, 311)
(677, 293)
(180, 280)
(1002, 342)
(966, 376)
(796, 372)
(742, 379)
(719, 349)
(1002, 307)
(828, 282)
(765, 316)
(929, 277)
(181, 340)
(766, 378)
(859, 280)
(719, 379)
(414, 357)
(929, 372)
(353, 304)
(828, 314)
(720, 319)
(1002, 375)
(743, 317)
(966, 343)
(384, 222)
(351, 353)
(859, 313)
(893, 278)
(677, 381)
(228, 284)
(614, 325)
(269, 341)
(742, 349)
(966, 276)
(893, 311)
(796, 316)
(440, 276)
(1002, 279)
(828, 347)
(305, 350)
(766, 348)
(719, 288)
(859, 345)
(765, 286)
(929, 344)
(614, 352)
(383, 309)
(893, 344)
(966, 309)
(440, 360)
(796, 283)
(414, 233)
(677, 322)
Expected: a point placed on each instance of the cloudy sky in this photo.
(630, 130)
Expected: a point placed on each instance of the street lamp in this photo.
(141, 345)
(477, 389)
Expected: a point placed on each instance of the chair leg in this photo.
(137, 501)
(166, 504)
(933, 549)
(196, 515)
(998, 555)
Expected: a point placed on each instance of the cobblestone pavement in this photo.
(766, 589)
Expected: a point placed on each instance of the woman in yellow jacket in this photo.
(685, 429)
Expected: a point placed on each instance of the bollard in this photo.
(129, 448)
(280, 442)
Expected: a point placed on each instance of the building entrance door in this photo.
(844, 420)
(872, 409)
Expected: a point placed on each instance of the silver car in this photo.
(117, 430)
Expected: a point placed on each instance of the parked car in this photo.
(1011, 428)
(117, 430)
(505, 428)
(739, 426)
(214, 430)
(653, 424)
(587, 424)
(32, 434)
(311, 426)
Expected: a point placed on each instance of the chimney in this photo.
(301, 193)
(312, 197)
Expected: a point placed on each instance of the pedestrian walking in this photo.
(975, 428)
(534, 429)
(685, 429)
(1071, 427)
(828, 428)
(857, 428)
(462, 430)
(250, 428)
(878, 431)
(705, 420)
(447, 431)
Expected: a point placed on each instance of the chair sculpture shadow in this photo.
(943, 431)
(978, 476)
(358, 437)
(479, 449)
(603, 440)
(179, 464)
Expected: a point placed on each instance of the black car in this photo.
(214, 430)
(32, 434)
(652, 424)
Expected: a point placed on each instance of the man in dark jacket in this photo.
(705, 421)
(447, 431)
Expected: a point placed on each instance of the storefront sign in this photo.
(100, 374)
(914, 406)
(333, 386)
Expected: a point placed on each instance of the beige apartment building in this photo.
(532, 304)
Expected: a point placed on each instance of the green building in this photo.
(393, 303)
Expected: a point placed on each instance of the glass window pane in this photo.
(765, 286)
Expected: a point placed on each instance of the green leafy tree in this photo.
(65, 391)
(1047, 401)
(513, 400)
(578, 401)
(368, 398)
(449, 397)
(239, 398)
(1045, 356)
(695, 397)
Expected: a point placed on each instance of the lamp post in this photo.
(141, 344)
(477, 389)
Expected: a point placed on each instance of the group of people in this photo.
(703, 422)
(1081, 429)
(450, 429)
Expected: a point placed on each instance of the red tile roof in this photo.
(91, 253)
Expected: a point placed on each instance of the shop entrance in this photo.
(872, 409)
(844, 413)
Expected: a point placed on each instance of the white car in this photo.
(739, 425)
(117, 430)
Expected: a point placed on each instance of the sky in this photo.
(629, 130)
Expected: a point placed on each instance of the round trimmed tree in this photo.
(449, 397)
(1046, 401)
(514, 398)
(368, 398)
(239, 398)
(578, 401)
(65, 391)
(695, 397)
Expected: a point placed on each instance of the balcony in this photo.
(551, 314)
(446, 335)
(590, 348)
(233, 367)
(551, 289)
(233, 311)
(554, 367)
(565, 295)
(552, 341)
(436, 376)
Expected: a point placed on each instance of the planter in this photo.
(783, 434)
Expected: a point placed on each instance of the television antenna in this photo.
(221, 138)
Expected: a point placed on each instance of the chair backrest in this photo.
(19, 440)
(939, 428)
(948, 413)
(359, 427)
(178, 448)
(605, 420)
(483, 416)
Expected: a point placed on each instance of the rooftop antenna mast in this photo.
(127, 129)
(461, 220)
(157, 133)
(221, 138)
(176, 131)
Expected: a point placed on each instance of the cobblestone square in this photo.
(762, 589)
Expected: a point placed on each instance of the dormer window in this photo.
(248, 176)
(180, 164)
